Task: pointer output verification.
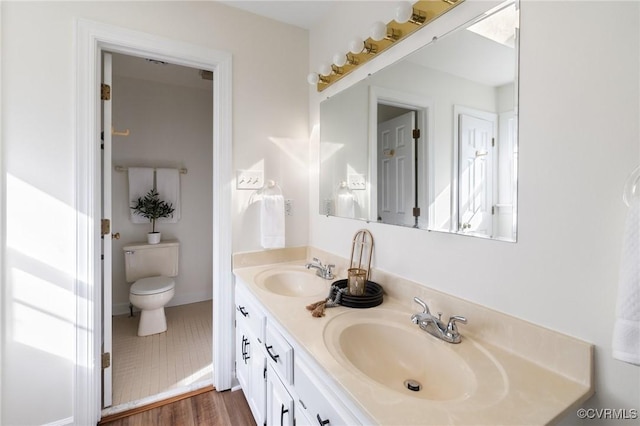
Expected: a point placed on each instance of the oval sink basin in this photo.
(292, 281)
(386, 348)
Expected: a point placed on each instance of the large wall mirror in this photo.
(458, 171)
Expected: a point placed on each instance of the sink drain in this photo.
(412, 385)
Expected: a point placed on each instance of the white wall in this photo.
(171, 126)
(38, 94)
(579, 139)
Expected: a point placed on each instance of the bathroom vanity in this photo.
(374, 366)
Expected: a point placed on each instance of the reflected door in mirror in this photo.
(396, 170)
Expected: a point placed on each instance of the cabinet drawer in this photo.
(280, 354)
(315, 404)
(249, 315)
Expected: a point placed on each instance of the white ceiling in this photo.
(470, 56)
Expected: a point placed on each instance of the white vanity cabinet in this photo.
(250, 358)
(278, 380)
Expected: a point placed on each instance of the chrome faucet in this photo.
(434, 325)
(323, 271)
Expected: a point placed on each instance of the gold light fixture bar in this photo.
(424, 12)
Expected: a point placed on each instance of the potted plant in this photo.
(152, 207)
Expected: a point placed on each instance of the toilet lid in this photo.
(152, 285)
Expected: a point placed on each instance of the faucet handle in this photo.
(452, 323)
(425, 308)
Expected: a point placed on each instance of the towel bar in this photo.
(183, 171)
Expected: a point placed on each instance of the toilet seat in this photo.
(152, 285)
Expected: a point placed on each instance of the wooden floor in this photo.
(210, 408)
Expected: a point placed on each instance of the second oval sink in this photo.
(384, 346)
(292, 281)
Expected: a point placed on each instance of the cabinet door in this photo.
(279, 402)
(257, 399)
(243, 357)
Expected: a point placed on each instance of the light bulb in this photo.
(313, 78)
(404, 11)
(356, 46)
(339, 59)
(325, 69)
(378, 31)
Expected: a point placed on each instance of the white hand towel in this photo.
(346, 205)
(626, 332)
(140, 182)
(168, 187)
(272, 221)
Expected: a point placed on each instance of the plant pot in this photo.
(153, 237)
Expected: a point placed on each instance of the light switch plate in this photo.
(249, 179)
(356, 181)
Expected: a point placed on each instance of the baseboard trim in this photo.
(141, 409)
(123, 308)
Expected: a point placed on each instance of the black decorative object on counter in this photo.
(372, 295)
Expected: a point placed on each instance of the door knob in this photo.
(115, 236)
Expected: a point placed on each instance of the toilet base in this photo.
(152, 317)
(152, 322)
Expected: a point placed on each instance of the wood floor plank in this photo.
(239, 408)
(210, 408)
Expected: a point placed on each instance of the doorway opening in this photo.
(161, 118)
(92, 38)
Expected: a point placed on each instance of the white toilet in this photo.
(151, 268)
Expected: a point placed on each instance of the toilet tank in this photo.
(143, 260)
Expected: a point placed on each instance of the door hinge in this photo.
(105, 92)
(493, 209)
(416, 212)
(105, 227)
(106, 360)
(416, 133)
(493, 142)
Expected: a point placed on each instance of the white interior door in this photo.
(396, 170)
(475, 174)
(106, 239)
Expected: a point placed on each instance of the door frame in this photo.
(91, 39)
(424, 107)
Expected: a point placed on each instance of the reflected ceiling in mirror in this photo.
(431, 141)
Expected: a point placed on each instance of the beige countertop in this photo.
(518, 390)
